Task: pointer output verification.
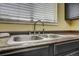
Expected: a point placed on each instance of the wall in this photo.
(62, 24)
(75, 25)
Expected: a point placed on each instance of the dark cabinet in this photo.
(34, 51)
(72, 10)
(65, 48)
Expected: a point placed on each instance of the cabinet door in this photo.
(64, 47)
(51, 50)
(34, 51)
(72, 10)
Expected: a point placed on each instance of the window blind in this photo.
(15, 11)
(28, 11)
(45, 12)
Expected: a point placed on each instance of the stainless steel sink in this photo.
(50, 35)
(43, 35)
(36, 38)
(20, 39)
(54, 36)
(26, 38)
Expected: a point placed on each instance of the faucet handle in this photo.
(43, 30)
(29, 33)
(39, 32)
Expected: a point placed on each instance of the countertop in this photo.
(64, 38)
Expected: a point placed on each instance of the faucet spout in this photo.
(35, 26)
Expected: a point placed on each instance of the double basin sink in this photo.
(24, 39)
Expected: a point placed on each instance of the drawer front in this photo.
(38, 52)
(61, 48)
(33, 51)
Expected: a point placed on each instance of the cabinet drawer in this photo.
(66, 46)
(33, 51)
(38, 52)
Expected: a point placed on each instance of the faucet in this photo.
(35, 25)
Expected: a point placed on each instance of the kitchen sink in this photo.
(36, 38)
(50, 35)
(54, 35)
(25, 38)
(20, 39)
(43, 35)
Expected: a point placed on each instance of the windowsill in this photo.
(28, 23)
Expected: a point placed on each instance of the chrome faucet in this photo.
(35, 26)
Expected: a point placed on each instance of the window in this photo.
(27, 12)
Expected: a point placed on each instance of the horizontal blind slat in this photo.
(10, 10)
(44, 11)
(24, 11)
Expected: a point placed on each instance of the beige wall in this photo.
(62, 24)
(75, 25)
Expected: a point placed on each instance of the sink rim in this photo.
(12, 42)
